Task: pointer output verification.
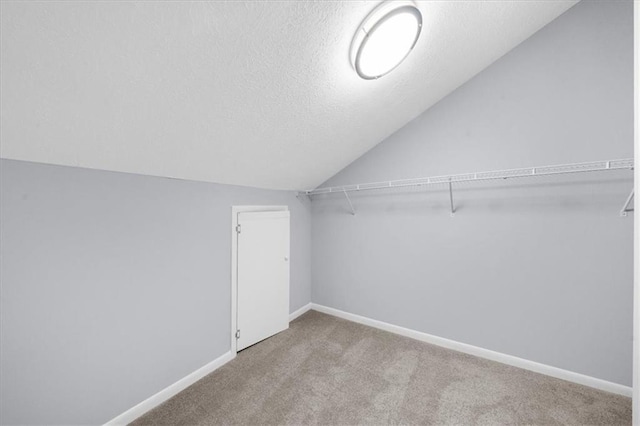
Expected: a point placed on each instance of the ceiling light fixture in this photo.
(385, 38)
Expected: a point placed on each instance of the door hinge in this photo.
(238, 229)
(237, 334)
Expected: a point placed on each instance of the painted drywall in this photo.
(116, 285)
(541, 268)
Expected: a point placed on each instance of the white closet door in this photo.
(263, 276)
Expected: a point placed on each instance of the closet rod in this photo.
(592, 166)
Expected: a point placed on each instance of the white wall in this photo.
(541, 268)
(115, 286)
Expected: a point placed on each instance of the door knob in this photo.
(286, 259)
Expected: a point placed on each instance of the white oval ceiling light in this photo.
(385, 38)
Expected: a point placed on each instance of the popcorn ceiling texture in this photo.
(248, 93)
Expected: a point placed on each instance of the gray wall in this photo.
(542, 268)
(115, 285)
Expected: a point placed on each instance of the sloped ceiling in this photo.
(248, 92)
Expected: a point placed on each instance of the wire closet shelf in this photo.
(593, 166)
(558, 169)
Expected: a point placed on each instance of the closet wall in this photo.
(115, 286)
(540, 269)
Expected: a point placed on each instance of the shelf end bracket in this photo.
(628, 205)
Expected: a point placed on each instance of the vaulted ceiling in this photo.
(242, 92)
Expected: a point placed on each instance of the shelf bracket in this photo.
(303, 196)
(453, 210)
(628, 205)
(353, 211)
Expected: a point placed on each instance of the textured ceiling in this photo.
(247, 93)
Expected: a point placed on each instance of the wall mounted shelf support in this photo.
(353, 211)
(453, 210)
(303, 196)
(628, 205)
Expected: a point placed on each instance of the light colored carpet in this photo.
(325, 370)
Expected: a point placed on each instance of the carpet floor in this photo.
(328, 371)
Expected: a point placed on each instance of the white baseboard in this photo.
(160, 397)
(297, 313)
(548, 370)
(157, 399)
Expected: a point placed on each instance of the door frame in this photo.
(235, 210)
